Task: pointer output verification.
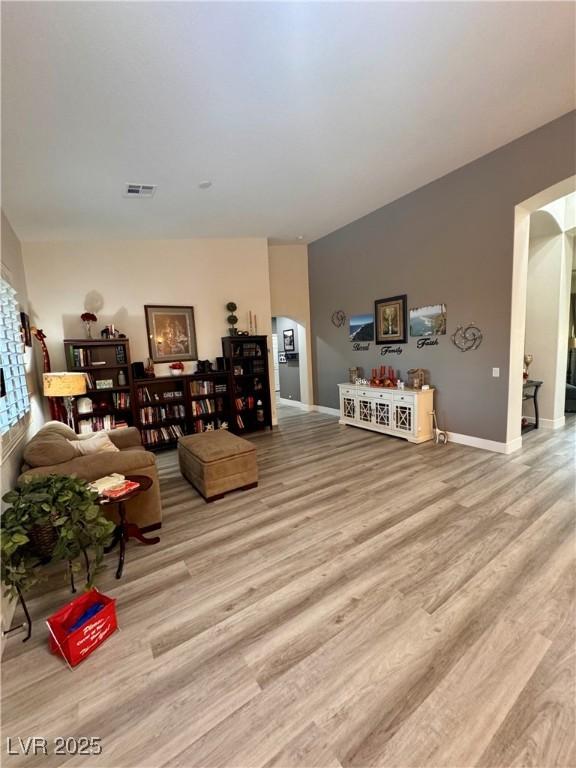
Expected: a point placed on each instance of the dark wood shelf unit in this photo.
(116, 402)
(246, 359)
(191, 422)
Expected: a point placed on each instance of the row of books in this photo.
(154, 413)
(121, 399)
(210, 426)
(145, 396)
(162, 435)
(247, 349)
(200, 407)
(207, 387)
(96, 423)
(244, 403)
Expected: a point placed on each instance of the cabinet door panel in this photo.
(364, 410)
(348, 407)
(382, 413)
(404, 418)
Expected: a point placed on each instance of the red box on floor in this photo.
(77, 644)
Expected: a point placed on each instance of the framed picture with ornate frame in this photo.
(390, 320)
(171, 333)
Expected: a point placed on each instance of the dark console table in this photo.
(530, 392)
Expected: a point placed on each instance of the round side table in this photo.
(126, 530)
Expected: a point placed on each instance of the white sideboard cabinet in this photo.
(405, 413)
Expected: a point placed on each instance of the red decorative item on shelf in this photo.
(75, 645)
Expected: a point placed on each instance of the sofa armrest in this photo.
(97, 465)
(127, 437)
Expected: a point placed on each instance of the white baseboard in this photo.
(486, 445)
(294, 403)
(552, 423)
(547, 423)
(326, 410)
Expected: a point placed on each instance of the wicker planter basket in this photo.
(43, 540)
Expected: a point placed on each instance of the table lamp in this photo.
(67, 386)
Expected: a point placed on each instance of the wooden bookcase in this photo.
(246, 359)
(105, 362)
(170, 406)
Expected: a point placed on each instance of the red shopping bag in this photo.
(76, 644)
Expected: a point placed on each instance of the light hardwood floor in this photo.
(372, 603)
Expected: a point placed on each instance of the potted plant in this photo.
(176, 368)
(50, 517)
(88, 318)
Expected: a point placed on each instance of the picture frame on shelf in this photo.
(171, 333)
(104, 384)
(390, 320)
(289, 342)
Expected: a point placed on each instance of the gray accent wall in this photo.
(289, 372)
(449, 242)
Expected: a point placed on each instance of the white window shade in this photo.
(14, 399)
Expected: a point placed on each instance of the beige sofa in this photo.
(49, 452)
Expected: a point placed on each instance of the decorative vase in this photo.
(88, 328)
(122, 381)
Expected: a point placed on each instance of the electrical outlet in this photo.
(496, 373)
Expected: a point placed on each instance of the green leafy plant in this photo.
(65, 508)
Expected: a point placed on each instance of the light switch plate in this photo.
(496, 373)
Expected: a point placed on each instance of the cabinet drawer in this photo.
(383, 396)
(400, 397)
(348, 391)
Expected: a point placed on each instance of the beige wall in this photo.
(64, 278)
(290, 297)
(13, 272)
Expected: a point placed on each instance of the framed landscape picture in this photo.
(171, 333)
(362, 328)
(428, 321)
(390, 320)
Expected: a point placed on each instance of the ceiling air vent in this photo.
(139, 190)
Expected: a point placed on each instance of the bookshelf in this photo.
(171, 406)
(246, 360)
(108, 403)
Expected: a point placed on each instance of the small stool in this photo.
(217, 462)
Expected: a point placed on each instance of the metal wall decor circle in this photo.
(467, 337)
(338, 318)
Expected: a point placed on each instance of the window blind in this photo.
(14, 399)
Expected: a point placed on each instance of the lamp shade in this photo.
(64, 384)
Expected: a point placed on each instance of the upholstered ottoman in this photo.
(217, 462)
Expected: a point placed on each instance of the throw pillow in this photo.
(100, 443)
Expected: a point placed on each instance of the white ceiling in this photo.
(305, 116)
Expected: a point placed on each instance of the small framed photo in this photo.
(289, 343)
(104, 383)
(390, 320)
(237, 370)
(25, 325)
(171, 333)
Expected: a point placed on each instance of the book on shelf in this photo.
(245, 403)
(165, 434)
(120, 354)
(97, 423)
(201, 387)
(145, 396)
(121, 400)
(200, 407)
(153, 413)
